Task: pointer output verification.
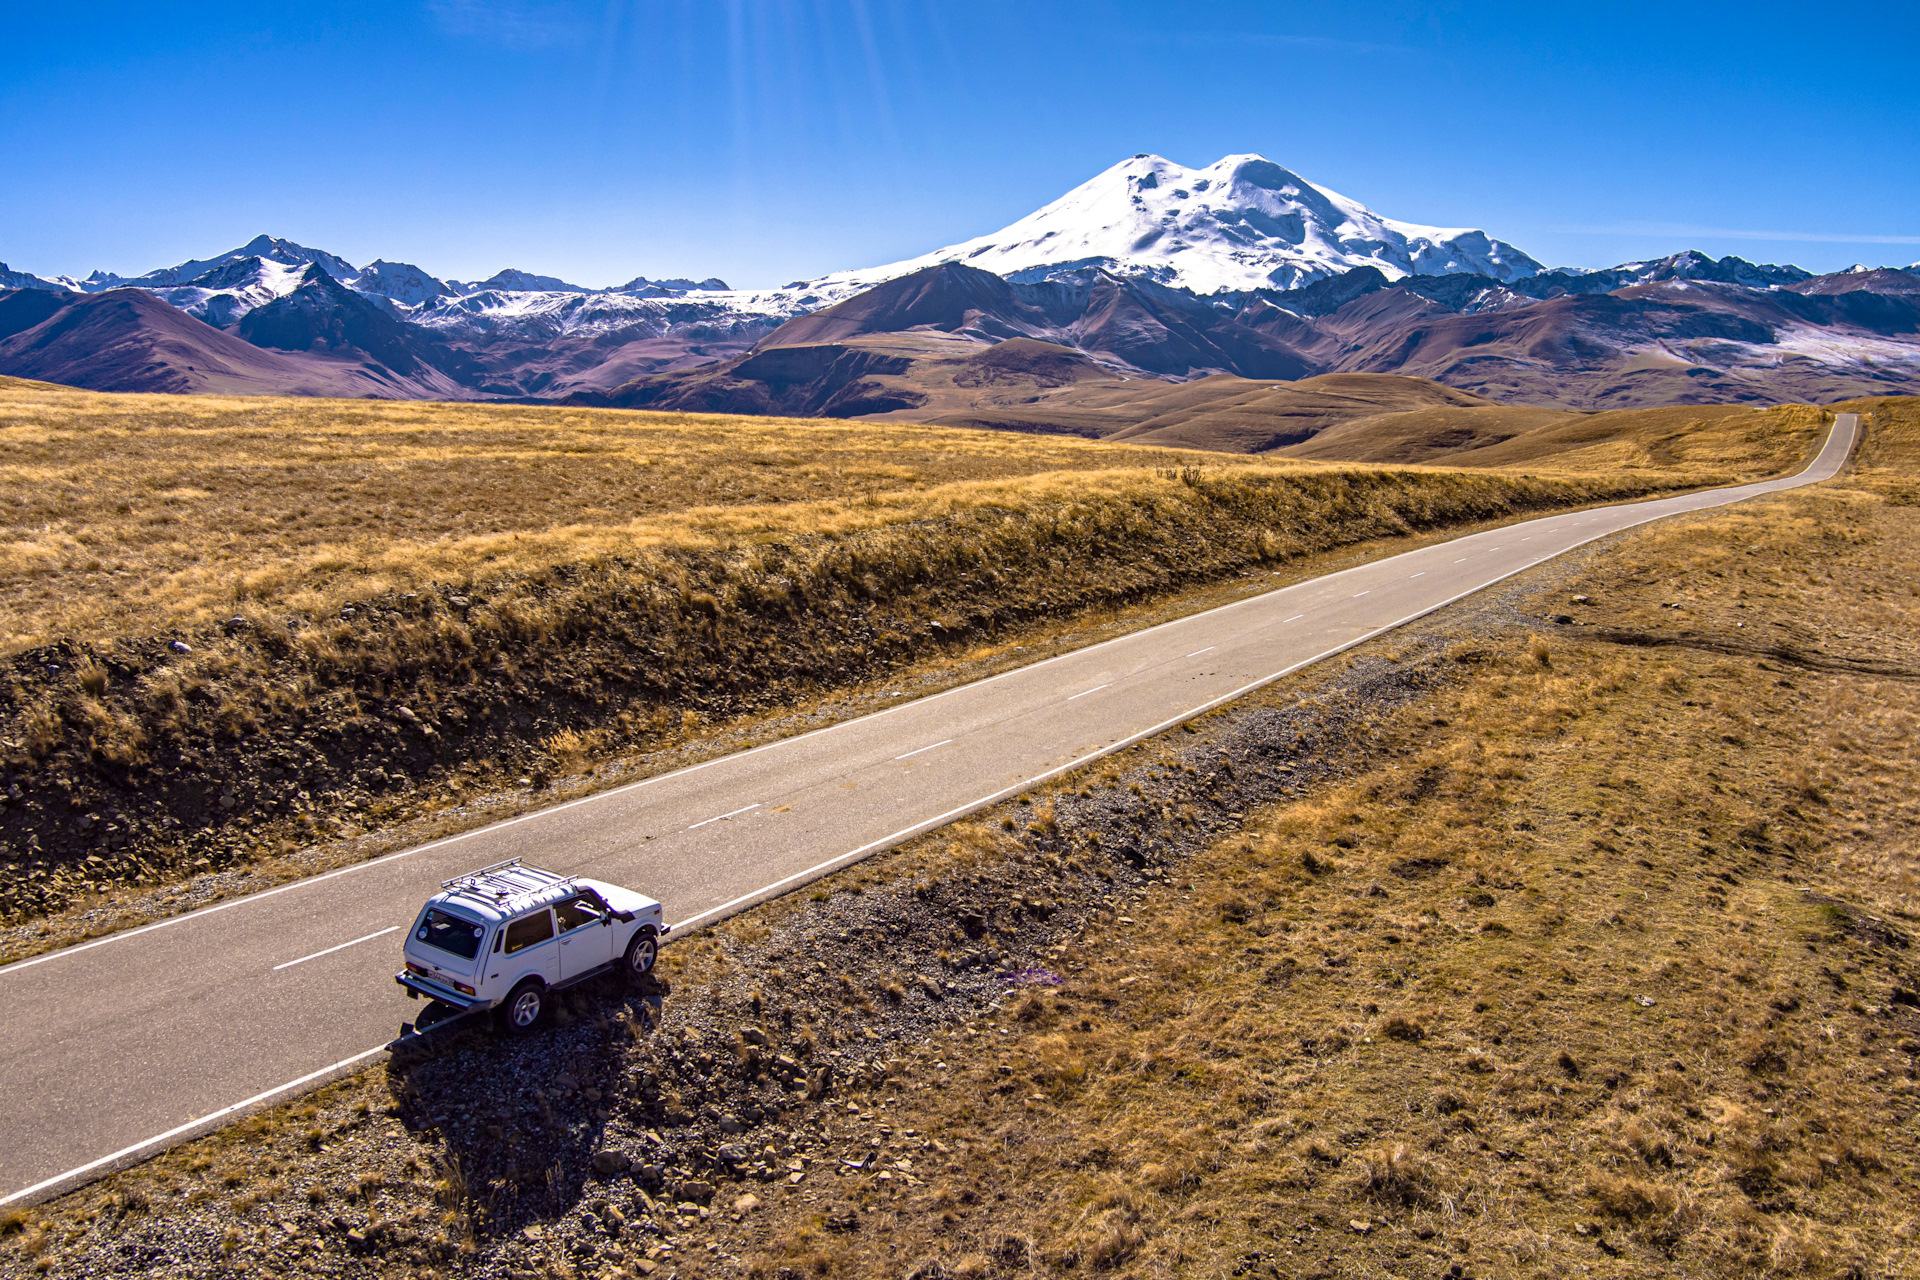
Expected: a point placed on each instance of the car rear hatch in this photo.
(444, 953)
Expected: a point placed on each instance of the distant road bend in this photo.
(116, 1048)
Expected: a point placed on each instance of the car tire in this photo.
(642, 952)
(523, 1008)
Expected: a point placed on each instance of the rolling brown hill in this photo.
(129, 340)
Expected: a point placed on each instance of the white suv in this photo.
(507, 936)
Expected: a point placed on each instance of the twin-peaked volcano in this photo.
(1241, 223)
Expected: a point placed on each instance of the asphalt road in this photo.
(116, 1048)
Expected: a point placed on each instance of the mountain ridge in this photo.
(1148, 270)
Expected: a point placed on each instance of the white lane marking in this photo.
(392, 928)
(1097, 688)
(1295, 618)
(1421, 574)
(1358, 594)
(1197, 652)
(1726, 497)
(917, 750)
(1462, 560)
(1526, 539)
(189, 1126)
(723, 817)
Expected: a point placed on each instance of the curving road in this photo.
(117, 1048)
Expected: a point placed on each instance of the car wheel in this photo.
(525, 1004)
(641, 953)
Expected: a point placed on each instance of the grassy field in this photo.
(233, 621)
(126, 514)
(1588, 953)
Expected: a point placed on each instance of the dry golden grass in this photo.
(138, 511)
(1733, 439)
(129, 513)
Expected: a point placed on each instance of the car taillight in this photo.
(463, 988)
(416, 968)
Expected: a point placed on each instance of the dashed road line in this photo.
(723, 817)
(392, 928)
(917, 750)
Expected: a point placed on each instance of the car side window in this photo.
(581, 909)
(530, 930)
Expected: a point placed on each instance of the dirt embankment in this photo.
(128, 760)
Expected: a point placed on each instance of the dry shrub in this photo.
(1660, 1213)
(1401, 1027)
(1399, 1176)
(1115, 1246)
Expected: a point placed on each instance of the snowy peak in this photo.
(266, 249)
(400, 282)
(11, 279)
(645, 288)
(1239, 224)
(515, 281)
(1691, 264)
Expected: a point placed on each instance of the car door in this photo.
(530, 948)
(586, 934)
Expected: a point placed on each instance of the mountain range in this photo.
(1150, 270)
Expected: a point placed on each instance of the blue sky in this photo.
(767, 140)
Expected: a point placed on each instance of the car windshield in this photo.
(450, 933)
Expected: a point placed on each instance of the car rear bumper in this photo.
(435, 991)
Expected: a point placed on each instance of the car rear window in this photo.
(450, 933)
(528, 930)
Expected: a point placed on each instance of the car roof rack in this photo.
(505, 880)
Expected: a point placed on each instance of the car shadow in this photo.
(520, 1118)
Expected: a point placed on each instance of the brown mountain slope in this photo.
(1677, 342)
(127, 340)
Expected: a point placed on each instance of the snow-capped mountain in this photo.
(513, 280)
(1690, 264)
(228, 291)
(10, 279)
(400, 282)
(1239, 224)
(1152, 268)
(283, 253)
